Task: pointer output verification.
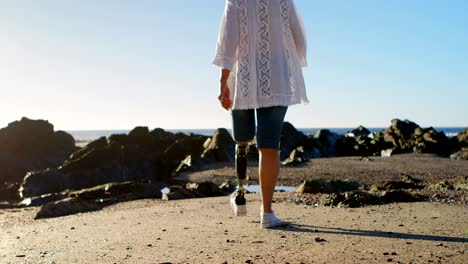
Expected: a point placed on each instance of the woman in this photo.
(261, 48)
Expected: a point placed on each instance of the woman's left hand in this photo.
(225, 96)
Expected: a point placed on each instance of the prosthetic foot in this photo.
(238, 202)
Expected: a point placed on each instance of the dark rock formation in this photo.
(460, 155)
(352, 199)
(220, 148)
(96, 198)
(67, 206)
(205, 189)
(401, 196)
(361, 198)
(290, 139)
(459, 184)
(194, 190)
(326, 142)
(430, 141)
(396, 185)
(136, 190)
(43, 199)
(297, 157)
(459, 145)
(406, 182)
(443, 185)
(327, 186)
(29, 145)
(9, 191)
(400, 134)
(139, 155)
(357, 142)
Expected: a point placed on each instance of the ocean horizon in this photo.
(90, 135)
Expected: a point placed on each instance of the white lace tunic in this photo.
(263, 43)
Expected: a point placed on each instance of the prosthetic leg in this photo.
(238, 202)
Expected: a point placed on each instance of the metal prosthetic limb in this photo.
(241, 168)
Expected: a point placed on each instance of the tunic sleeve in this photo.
(297, 28)
(228, 39)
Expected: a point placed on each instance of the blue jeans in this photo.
(269, 124)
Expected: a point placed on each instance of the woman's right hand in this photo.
(225, 95)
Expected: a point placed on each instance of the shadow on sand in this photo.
(369, 233)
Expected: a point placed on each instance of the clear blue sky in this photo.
(115, 64)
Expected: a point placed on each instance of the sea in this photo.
(82, 137)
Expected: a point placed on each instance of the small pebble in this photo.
(318, 239)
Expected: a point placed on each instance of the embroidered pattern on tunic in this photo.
(285, 10)
(244, 62)
(263, 62)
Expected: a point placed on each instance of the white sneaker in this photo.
(238, 202)
(269, 220)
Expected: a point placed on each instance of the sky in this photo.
(117, 64)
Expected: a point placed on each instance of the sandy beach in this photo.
(204, 230)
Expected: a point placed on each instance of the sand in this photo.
(205, 231)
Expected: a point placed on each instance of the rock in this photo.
(290, 139)
(43, 199)
(7, 205)
(361, 132)
(327, 141)
(333, 199)
(220, 148)
(185, 165)
(358, 198)
(460, 141)
(396, 185)
(386, 152)
(319, 239)
(430, 141)
(206, 189)
(37, 183)
(97, 197)
(180, 192)
(297, 157)
(186, 153)
(461, 183)
(140, 155)
(327, 186)
(9, 191)
(400, 134)
(28, 145)
(402, 196)
(355, 143)
(139, 190)
(347, 145)
(173, 196)
(460, 155)
(67, 206)
(406, 136)
(139, 132)
(410, 179)
(228, 187)
(193, 190)
(443, 185)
